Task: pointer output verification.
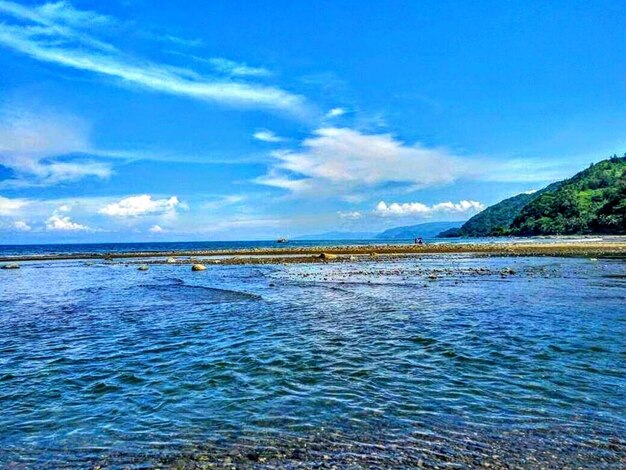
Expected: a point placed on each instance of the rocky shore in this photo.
(329, 254)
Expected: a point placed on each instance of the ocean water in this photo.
(103, 248)
(449, 361)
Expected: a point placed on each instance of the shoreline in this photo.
(311, 254)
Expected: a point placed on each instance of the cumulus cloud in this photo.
(338, 161)
(21, 226)
(62, 223)
(52, 34)
(156, 229)
(135, 206)
(31, 144)
(267, 136)
(395, 209)
(9, 207)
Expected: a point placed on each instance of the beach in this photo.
(548, 246)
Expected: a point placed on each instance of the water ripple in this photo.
(441, 361)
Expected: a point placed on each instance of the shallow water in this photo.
(440, 361)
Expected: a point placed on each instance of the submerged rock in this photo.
(143, 267)
(11, 266)
(198, 267)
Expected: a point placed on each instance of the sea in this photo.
(443, 361)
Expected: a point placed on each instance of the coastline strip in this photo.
(310, 254)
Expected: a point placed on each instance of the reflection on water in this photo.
(447, 359)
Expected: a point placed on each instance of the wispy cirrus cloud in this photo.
(353, 164)
(342, 161)
(237, 69)
(10, 207)
(335, 112)
(350, 215)
(31, 144)
(57, 33)
(265, 135)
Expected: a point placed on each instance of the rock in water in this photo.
(143, 267)
(327, 256)
(170, 260)
(11, 266)
(198, 267)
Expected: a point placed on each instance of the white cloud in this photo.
(10, 207)
(64, 12)
(21, 226)
(335, 112)
(354, 215)
(267, 136)
(353, 165)
(395, 209)
(63, 223)
(142, 205)
(340, 161)
(230, 67)
(156, 229)
(30, 145)
(53, 36)
(220, 202)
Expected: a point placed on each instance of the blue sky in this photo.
(136, 120)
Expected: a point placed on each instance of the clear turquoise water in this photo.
(383, 364)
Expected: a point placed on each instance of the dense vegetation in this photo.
(593, 201)
(494, 220)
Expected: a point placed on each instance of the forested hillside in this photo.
(592, 201)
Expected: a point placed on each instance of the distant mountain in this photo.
(593, 201)
(425, 230)
(338, 236)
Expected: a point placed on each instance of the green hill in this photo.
(495, 220)
(592, 201)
